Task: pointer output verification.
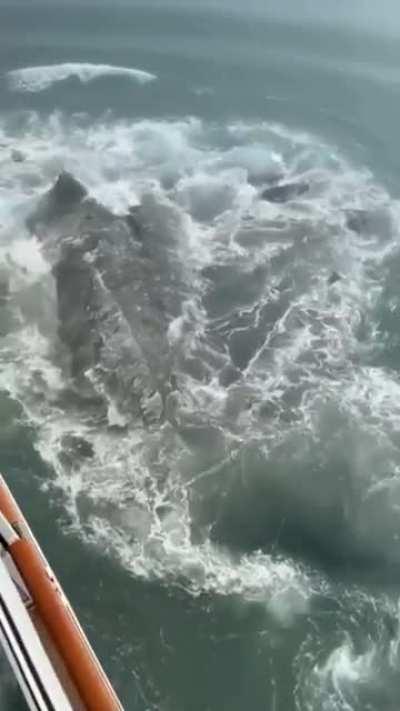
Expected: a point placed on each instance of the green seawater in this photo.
(272, 581)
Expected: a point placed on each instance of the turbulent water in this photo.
(200, 340)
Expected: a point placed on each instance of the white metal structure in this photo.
(49, 652)
(19, 638)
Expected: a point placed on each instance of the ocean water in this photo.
(239, 549)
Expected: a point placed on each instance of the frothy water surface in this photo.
(209, 449)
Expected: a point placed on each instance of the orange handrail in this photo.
(56, 613)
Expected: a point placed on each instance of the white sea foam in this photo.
(35, 79)
(118, 479)
(115, 497)
(344, 665)
(340, 678)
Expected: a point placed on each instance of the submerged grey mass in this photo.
(199, 382)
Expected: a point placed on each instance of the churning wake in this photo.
(200, 322)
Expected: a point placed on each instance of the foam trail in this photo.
(307, 359)
(35, 79)
(343, 674)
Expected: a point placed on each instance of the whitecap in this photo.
(35, 79)
(341, 678)
(123, 163)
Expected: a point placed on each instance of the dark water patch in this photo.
(306, 498)
(285, 192)
(229, 375)
(16, 436)
(232, 287)
(245, 343)
(386, 317)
